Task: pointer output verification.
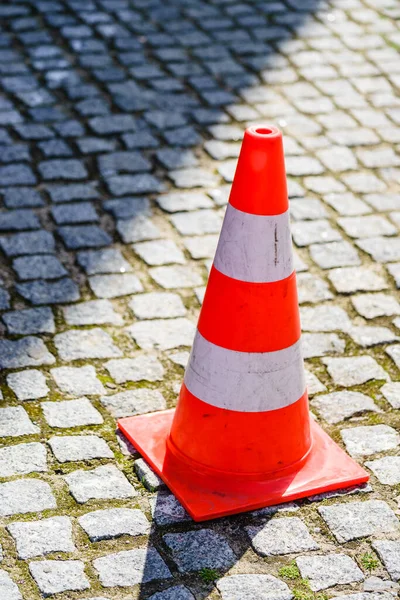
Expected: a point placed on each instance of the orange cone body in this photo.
(240, 437)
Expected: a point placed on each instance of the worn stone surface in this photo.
(103, 483)
(77, 381)
(114, 522)
(145, 367)
(93, 343)
(28, 385)
(199, 549)
(14, 421)
(71, 413)
(133, 402)
(367, 440)
(354, 370)
(359, 519)
(246, 587)
(167, 510)
(79, 447)
(25, 496)
(340, 406)
(386, 469)
(131, 567)
(20, 459)
(281, 536)
(389, 553)
(37, 538)
(324, 572)
(55, 576)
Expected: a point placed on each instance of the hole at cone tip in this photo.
(264, 130)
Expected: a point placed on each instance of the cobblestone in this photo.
(93, 343)
(14, 421)
(281, 536)
(103, 483)
(324, 572)
(28, 385)
(71, 413)
(55, 576)
(340, 406)
(199, 549)
(133, 402)
(39, 538)
(367, 440)
(21, 459)
(359, 519)
(25, 496)
(111, 523)
(131, 567)
(72, 448)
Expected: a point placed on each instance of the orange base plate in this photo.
(204, 497)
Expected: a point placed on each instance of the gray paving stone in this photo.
(386, 469)
(354, 370)
(142, 368)
(67, 169)
(114, 522)
(131, 567)
(389, 553)
(314, 385)
(355, 520)
(299, 166)
(320, 344)
(9, 589)
(14, 421)
(203, 246)
(324, 318)
(78, 381)
(134, 402)
(356, 279)
(157, 305)
(21, 459)
(104, 483)
(28, 385)
(178, 592)
(324, 572)
(307, 209)
(147, 476)
(381, 249)
(84, 236)
(74, 213)
(312, 289)
(197, 222)
(38, 538)
(16, 197)
(366, 226)
(91, 343)
(137, 229)
(253, 587)
(347, 204)
(79, 447)
(71, 413)
(391, 391)
(144, 183)
(377, 585)
(334, 254)
(394, 353)
(367, 440)
(193, 177)
(93, 312)
(18, 219)
(371, 336)
(339, 406)
(173, 277)
(45, 292)
(338, 158)
(376, 305)
(109, 260)
(31, 320)
(281, 536)
(25, 496)
(39, 267)
(159, 252)
(56, 576)
(38, 242)
(181, 201)
(364, 183)
(113, 286)
(17, 174)
(162, 334)
(167, 510)
(196, 550)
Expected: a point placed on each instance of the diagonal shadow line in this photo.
(168, 516)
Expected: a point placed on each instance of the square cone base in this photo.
(209, 497)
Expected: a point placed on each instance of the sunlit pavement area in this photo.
(120, 126)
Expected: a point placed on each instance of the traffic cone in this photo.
(241, 437)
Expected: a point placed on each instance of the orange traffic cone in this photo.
(241, 437)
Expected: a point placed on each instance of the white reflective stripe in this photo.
(255, 248)
(245, 381)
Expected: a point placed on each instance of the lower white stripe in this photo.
(255, 248)
(245, 381)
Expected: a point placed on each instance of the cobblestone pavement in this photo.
(119, 130)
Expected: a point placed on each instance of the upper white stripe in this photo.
(255, 248)
(245, 381)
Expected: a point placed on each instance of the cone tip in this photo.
(263, 131)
